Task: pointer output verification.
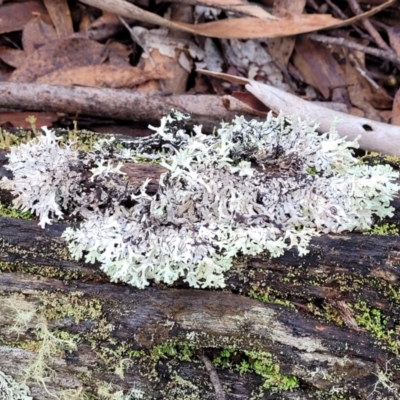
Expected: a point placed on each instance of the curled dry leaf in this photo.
(236, 28)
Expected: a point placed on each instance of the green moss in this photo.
(8, 211)
(327, 312)
(74, 305)
(374, 158)
(311, 171)
(182, 351)
(383, 229)
(373, 321)
(7, 139)
(262, 363)
(266, 297)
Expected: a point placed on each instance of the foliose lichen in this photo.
(12, 390)
(246, 189)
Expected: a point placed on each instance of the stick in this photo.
(206, 110)
(386, 55)
(219, 391)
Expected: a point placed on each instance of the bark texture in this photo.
(326, 325)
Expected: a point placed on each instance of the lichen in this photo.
(251, 187)
(12, 390)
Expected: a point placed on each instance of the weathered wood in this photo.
(336, 330)
(142, 319)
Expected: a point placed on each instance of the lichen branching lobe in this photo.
(249, 188)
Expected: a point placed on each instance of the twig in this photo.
(342, 15)
(387, 55)
(338, 11)
(355, 7)
(219, 391)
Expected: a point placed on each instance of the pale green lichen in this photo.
(12, 390)
(50, 346)
(106, 391)
(212, 204)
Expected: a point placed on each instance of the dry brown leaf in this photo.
(118, 53)
(386, 116)
(239, 107)
(101, 29)
(56, 55)
(253, 105)
(240, 6)
(168, 64)
(104, 75)
(61, 16)
(170, 50)
(5, 72)
(396, 109)
(85, 21)
(12, 57)
(356, 112)
(106, 20)
(236, 28)
(281, 49)
(318, 67)
(14, 16)
(37, 33)
(254, 28)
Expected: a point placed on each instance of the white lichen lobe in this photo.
(12, 390)
(249, 188)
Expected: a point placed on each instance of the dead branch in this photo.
(206, 110)
(355, 7)
(384, 54)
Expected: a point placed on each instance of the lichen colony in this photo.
(249, 188)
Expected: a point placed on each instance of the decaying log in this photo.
(329, 321)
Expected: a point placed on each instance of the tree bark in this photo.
(329, 321)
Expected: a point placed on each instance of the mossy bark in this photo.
(327, 323)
